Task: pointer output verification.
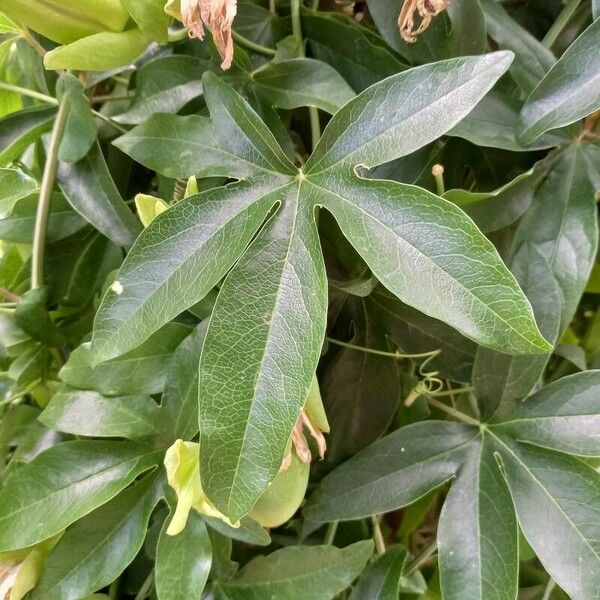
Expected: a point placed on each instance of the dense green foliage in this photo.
(375, 254)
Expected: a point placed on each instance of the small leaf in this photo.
(88, 413)
(150, 17)
(303, 82)
(20, 129)
(183, 561)
(90, 190)
(141, 371)
(65, 483)
(80, 130)
(568, 92)
(32, 317)
(14, 185)
(96, 550)
(149, 207)
(299, 573)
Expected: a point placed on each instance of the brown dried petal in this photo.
(427, 9)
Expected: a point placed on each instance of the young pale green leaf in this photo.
(562, 224)
(150, 17)
(501, 379)
(441, 263)
(478, 533)
(140, 371)
(84, 412)
(164, 85)
(80, 130)
(97, 549)
(240, 131)
(360, 56)
(302, 82)
(90, 190)
(532, 59)
(99, 52)
(569, 91)
(406, 111)
(563, 416)
(556, 501)
(393, 472)
(186, 251)
(299, 573)
(183, 561)
(178, 147)
(268, 324)
(65, 483)
(180, 399)
(20, 129)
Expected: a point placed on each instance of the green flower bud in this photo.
(149, 207)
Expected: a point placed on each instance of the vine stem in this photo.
(244, 41)
(459, 416)
(396, 355)
(377, 535)
(330, 534)
(419, 560)
(45, 198)
(313, 113)
(561, 22)
(144, 591)
(549, 589)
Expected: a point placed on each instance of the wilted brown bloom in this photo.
(300, 443)
(218, 16)
(427, 9)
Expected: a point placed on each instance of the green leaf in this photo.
(140, 371)
(178, 147)
(499, 378)
(532, 59)
(299, 573)
(150, 17)
(302, 82)
(14, 185)
(97, 549)
(90, 190)
(384, 580)
(164, 85)
(99, 52)
(88, 413)
(409, 220)
(20, 129)
(393, 472)
(180, 399)
(562, 224)
(282, 271)
(217, 224)
(360, 56)
(65, 483)
(406, 111)
(494, 123)
(32, 317)
(183, 561)
(80, 130)
(555, 498)
(478, 533)
(568, 92)
(562, 416)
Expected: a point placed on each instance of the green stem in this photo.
(146, 587)
(244, 41)
(396, 355)
(330, 534)
(419, 560)
(31, 93)
(561, 22)
(459, 416)
(549, 589)
(45, 198)
(462, 390)
(377, 535)
(313, 113)
(177, 35)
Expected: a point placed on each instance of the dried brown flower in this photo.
(427, 9)
(299, 441)
(218, 16)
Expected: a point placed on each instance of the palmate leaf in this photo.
(519, 466)
(267, 328)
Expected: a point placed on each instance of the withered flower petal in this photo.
(427, 9)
